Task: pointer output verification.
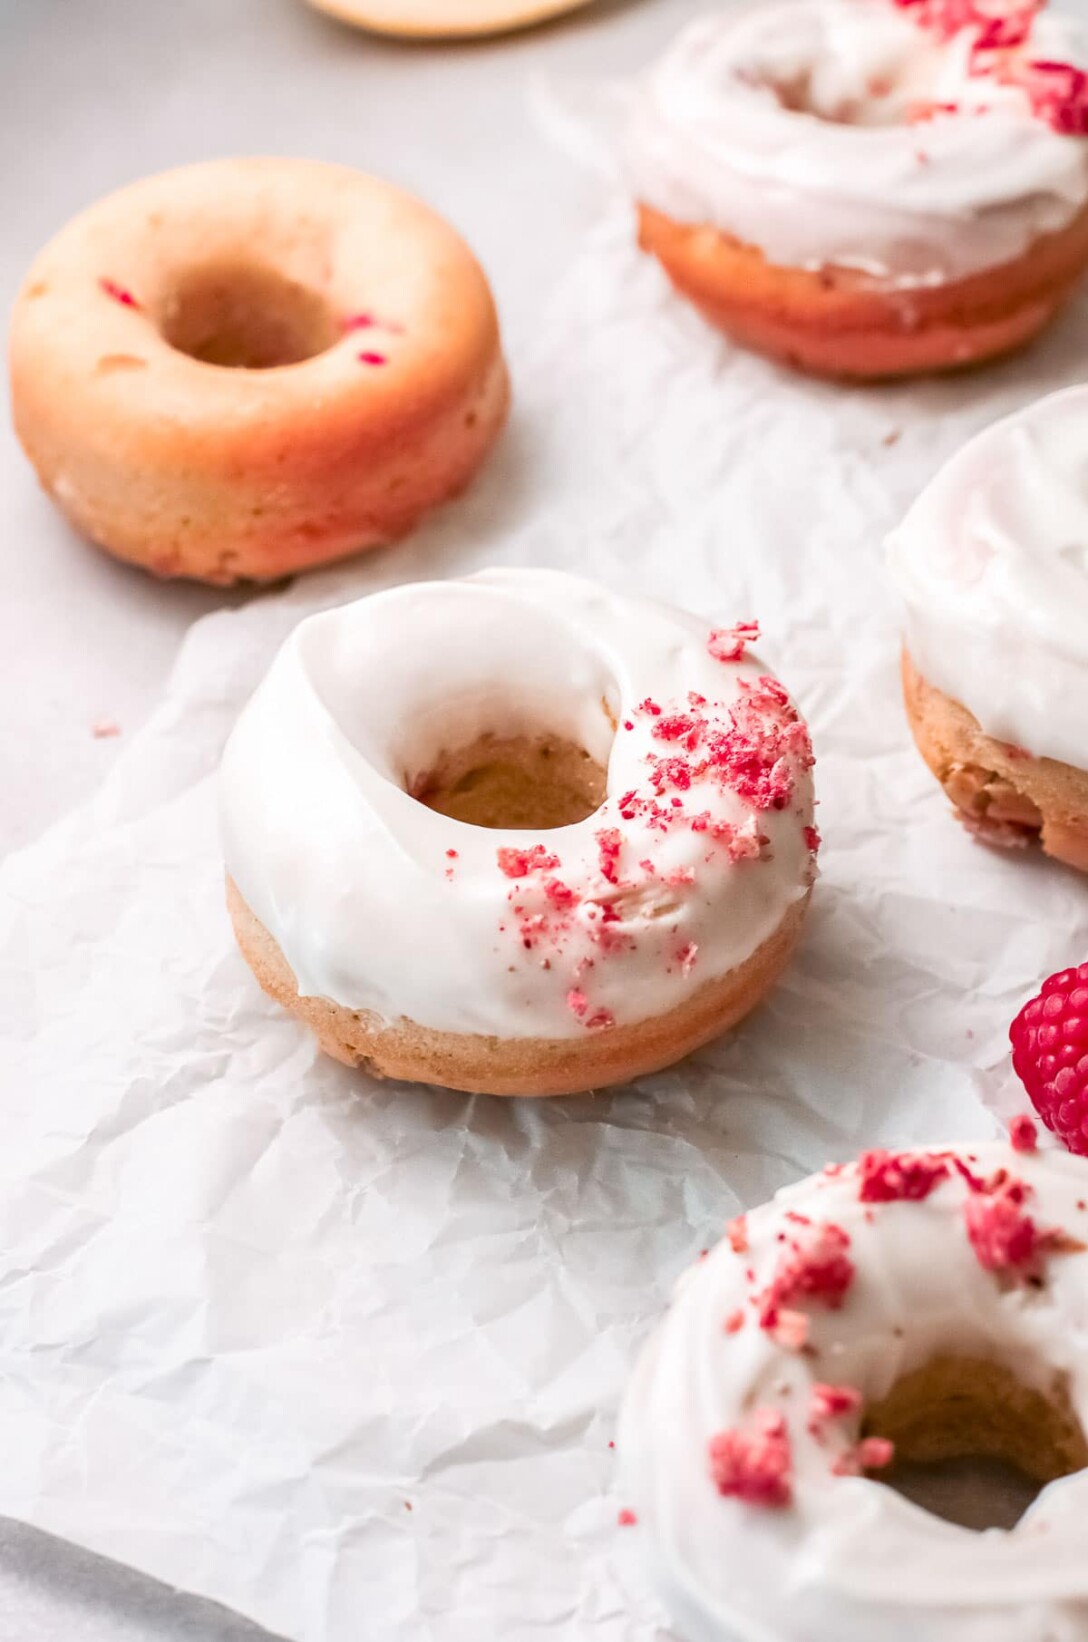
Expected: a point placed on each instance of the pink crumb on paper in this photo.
(103, 728)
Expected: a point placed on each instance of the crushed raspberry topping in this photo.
(813, 839)
(1056, 92)
(737, 1234)
(754, 1464)
(749, 751)
(118, 293)
(369, 357)
(791, 1329)
(813, 1266)
(730, 643)
(520, 863)
(831, 1402)
(1003, 1236)
(1050, 1055)
(890, 1177)
(734, 1322)
(870, 1454)
(609, 845)
(1023, 1134)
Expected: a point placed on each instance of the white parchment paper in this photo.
(346, 1356)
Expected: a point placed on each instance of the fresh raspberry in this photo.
(754, 1465)
(1050, 1054)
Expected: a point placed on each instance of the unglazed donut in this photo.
(866, 189)
(249, 367)
(445, 19)
(925, 1306)
(993, 573)
(516, 834)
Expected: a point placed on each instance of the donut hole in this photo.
(246, 317)
(882, 101)
(515, 783)
(973, 1443)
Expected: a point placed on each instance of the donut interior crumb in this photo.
(514, 782)
(245, 317)
(966, 1409)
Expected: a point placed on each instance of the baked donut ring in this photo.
(924, 1307)
(867, 190)
(246, 368)
(516, 835)
(445, 19)
(992, 570)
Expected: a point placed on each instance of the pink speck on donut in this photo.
(118, 293)
(754, 1465)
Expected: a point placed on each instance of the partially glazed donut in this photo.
(993, 573)
(245, 368)
(867, 189)
(516, 834)
(921, 1307)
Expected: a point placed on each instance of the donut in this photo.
(246, 368)
(994, 583)
(445, 19)
(517, 834)
(867, 188)
(913, 1307)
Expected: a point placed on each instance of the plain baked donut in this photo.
(994, 580)
(516, 834)
(866, 190)
(922, 1307)
(445, 19)
(246, 368)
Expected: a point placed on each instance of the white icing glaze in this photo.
(992, 565)
(710, 141)
(850, 1560)
(353, 877)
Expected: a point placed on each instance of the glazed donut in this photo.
(445, 19)
(516, 834)
(862, 188)
(919, 1307)
(246, 368)
(995, 587)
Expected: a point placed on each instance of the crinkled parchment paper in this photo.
(346, 1355)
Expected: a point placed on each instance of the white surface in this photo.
(234, 1337)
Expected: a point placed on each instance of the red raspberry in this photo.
(1050, 1054)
